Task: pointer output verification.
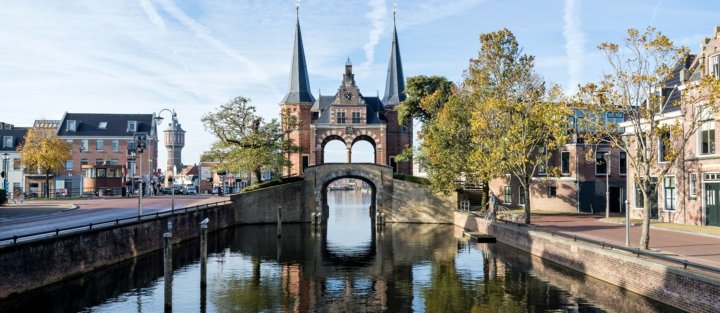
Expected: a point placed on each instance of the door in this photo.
(712, 207)
(615, 199)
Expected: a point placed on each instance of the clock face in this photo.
(348, 95)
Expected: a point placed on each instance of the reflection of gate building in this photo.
(347, 115)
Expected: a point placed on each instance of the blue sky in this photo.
(145, 55)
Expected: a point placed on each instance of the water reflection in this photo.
(413, 268)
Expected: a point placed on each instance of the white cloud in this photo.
(152, 14)
(377, 18)
(574, 43)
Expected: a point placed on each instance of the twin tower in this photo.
(347, 116)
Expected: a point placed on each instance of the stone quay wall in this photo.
(29, 265)
(684, 289)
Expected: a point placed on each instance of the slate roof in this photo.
(18, 134)
(88, 124)
(395, 81)
(674, 96)
(373, 104)
(299, 90)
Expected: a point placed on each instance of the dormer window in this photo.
(71, 125)
(132, 126)
(102, 125)
(715, 65)
(7, 142)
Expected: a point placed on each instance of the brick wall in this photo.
(671, 285)
(42, 262)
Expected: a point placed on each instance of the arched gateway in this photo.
(379, 177)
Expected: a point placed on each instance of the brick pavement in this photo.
(698, 248)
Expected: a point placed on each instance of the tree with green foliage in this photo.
(637, 86)
(43, 151)
(516, 120)
(246, 142)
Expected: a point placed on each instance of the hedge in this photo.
(412, 179)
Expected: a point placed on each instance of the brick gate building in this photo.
(347, 115)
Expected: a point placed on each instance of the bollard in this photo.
(167, 257)
(203, 252)
(279, 222)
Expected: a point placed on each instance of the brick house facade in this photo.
(581, 185)
(689, 192)
(347, 115)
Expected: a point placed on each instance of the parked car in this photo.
(190, 190)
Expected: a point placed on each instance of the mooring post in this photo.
(203, 252)
(167, 257)
(279, 221)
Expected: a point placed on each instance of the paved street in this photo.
(698, 248)
(37, 216)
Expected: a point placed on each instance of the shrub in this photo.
(412, 179)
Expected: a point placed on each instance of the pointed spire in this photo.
(395, 82)
(299, 82)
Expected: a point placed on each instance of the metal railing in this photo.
(106, 224)
(636, 251)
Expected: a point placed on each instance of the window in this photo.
(115, 145)
(7, 141)
(305, 161)
(101, 172)
(69, 141)
(113, 161)
(84, 145)
(521, 195)
(715, 65)
(341, 117)
(71, 125)
(17, 164)
(600, 163)
(614, 117)
(669, 195)
(69, 165)
(84, 162)
(507, 195)
(99, 145)
(356, 117)
(707, 138)
(132, 126)
(639, 196)
(102, 125)
(565, 162)
(623, 163)
(663, 144)
(99, 161)
(542, 170)
(552, 191)
(692, 184)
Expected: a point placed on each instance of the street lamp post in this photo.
(140, 144)
(173, 123)
(6, 157)
(607, 156)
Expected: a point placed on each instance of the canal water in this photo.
(348, 266)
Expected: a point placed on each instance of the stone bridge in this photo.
(401, 201)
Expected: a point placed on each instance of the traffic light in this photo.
(2, 174)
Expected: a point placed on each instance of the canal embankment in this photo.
(46, 260)
(672, 284)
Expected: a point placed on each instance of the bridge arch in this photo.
(378, 177)
(349, 136)
(357, 142)
(327, 140)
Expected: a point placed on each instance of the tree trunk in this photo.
(527, 200)
(258, 175)
(47, 184)
(645, 236)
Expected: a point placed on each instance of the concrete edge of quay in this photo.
(689, 290)
(41, 262)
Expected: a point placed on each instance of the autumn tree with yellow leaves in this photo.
(661, 112)
(44, 152)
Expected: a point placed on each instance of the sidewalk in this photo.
(698, 248)
(12, 211)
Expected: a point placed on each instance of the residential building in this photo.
(100, 139)
(688, 193)
(12, 137)
(582, 183)
(188, 177)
